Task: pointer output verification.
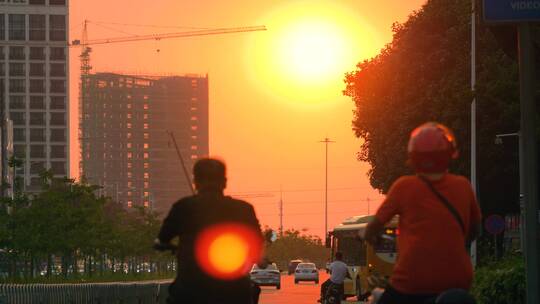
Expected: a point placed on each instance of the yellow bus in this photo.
(368, 265)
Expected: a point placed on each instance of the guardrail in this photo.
(91, 293)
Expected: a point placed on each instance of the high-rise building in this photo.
(33, 84)
(125, 144)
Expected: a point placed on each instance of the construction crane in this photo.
(86, 50)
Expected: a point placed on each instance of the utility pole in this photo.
(326, 141)
(3, 141)
(368, 206)
(473, 115)
(530, 158)
(280, 212)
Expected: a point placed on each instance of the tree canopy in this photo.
(424, 75)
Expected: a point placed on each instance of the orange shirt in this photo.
(431, 245)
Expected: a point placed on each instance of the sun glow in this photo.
(307, 50)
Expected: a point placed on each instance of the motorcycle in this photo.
(451, 296)
(334, 294)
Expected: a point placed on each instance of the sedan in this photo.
(268, 276)
(306, 272)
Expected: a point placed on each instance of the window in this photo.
(146, 184)
(129, 155)
(145, 106)
(146, 136)
(57, 2)
(37, 134)
(37, 118)
(128, 106)
(36, 2)
(58, 103)
(17, 69)
(145, 155)
(58, 119)
(17, 27)
(37, 86)
(37, 69)
(145, 116)
(57, 27)
(194, 128)
(129, 193)
(58, 151)
(37, 53)
(129, 145)
(146, 175)
(58, 135)
(19, 135)
(194, 118)
(57, 53)
(130, 204)
(193, 108)
(17, 102)
(129, 175)
(193, 147)
(17, 118)
(37, 151)
(146, 204)
(37, 27)
(194, 137)
(146, 165)
(17, 86)
(19, 151)
(146, 146)
(145, 126)
(37, 102)
(128, 125)
(193, 98)
(130, 184)
(2, 27)
(37, 167)
(58, 86)
(128, 115)
(16, 53)
(129, 165)
(194, 156)
(58, 70)
(128, 135)
(58, 168)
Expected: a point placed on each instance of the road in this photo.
(290, 293)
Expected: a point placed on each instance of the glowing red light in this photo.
(227, 251)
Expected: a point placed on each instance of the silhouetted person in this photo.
(191, 216)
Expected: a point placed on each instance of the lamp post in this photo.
(326, 141)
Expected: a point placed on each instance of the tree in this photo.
(424, 75)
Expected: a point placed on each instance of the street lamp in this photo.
(326, 141)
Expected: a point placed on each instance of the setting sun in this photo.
(306, 53)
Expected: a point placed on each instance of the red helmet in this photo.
(431, 147)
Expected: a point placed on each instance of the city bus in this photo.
(368, 266)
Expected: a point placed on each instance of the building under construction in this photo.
(125, 144)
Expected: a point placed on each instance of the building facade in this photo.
(125, 143)
(34, 84)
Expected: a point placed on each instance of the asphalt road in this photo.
(290, 293)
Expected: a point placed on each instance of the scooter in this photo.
(334, 294)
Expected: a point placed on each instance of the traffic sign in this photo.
(494, 224)
(511, 10)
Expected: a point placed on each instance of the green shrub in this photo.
(501, 282)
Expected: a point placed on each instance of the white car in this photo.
(268, 276)
(306, 272)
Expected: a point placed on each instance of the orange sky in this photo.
(271, 100)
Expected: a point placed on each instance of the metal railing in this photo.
(91, 293)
